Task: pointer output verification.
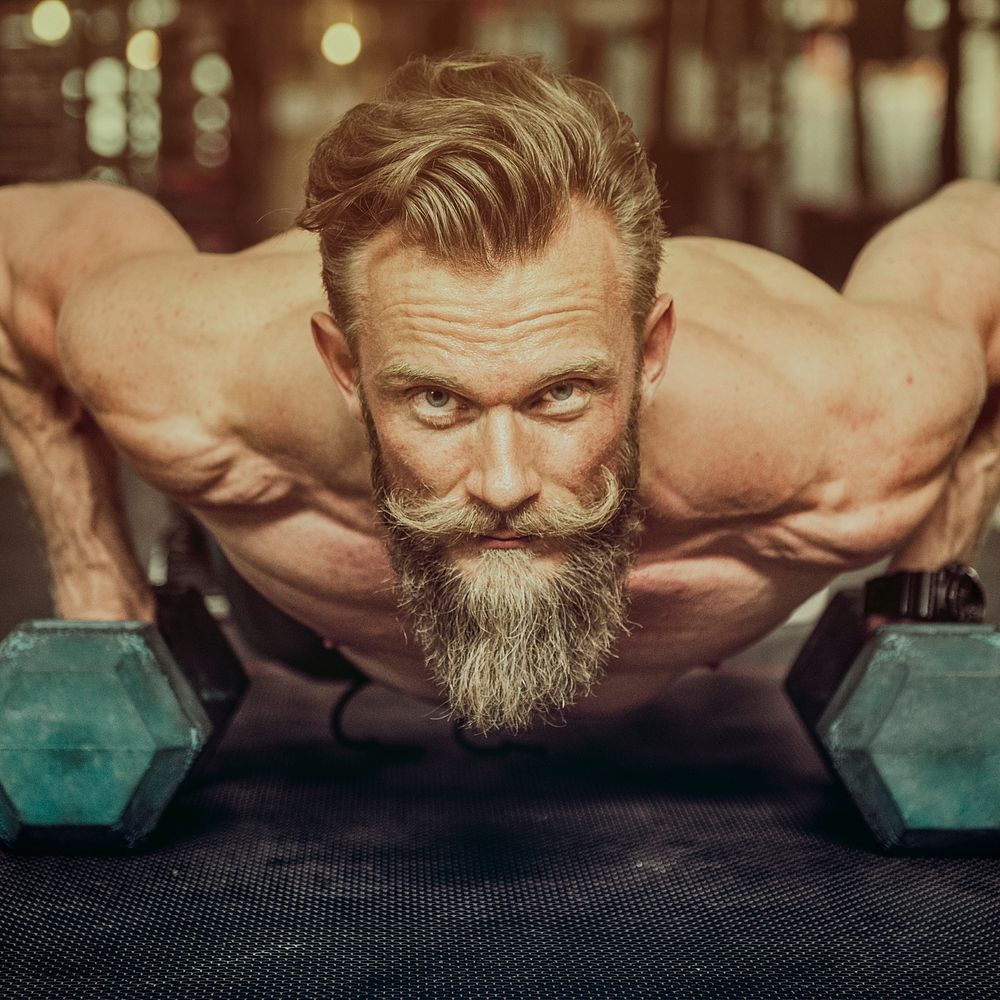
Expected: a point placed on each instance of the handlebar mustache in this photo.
(437, 519)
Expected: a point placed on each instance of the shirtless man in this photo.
(599, 458)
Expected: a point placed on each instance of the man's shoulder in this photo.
(145, 333)
(737, 421)
(793, 412)
(733, 271)
(199, 367)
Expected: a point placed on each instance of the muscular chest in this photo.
(330, 575)
(338, 581)
(701, 610)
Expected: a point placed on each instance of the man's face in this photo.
(502, 415)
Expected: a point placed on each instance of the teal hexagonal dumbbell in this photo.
(908, 720)
(98, 727)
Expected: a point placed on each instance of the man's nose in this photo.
(502, 473)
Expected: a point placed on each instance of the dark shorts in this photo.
(272, 633)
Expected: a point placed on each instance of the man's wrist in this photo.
(103, 600)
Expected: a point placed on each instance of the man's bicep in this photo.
(943, 259)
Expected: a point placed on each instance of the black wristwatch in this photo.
(951, 594)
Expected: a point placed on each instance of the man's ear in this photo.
(332, 346)
(657, 337)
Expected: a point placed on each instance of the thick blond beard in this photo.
(506, 643)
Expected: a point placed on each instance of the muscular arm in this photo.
(940, 265)
(55, 239)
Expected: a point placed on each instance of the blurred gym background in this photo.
(798, 125)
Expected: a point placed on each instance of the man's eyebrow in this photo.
(598, 369)
(400, 374)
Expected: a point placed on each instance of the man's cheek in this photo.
(431, 472)
(593, 448)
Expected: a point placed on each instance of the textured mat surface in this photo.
(694, 848)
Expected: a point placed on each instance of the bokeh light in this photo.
(144, 125)
(211, 149)
(927, 15)
(341, 43)
(806, 15)
(72, 84)
(144, 135)
(211, 74)
(51, 21)
(107, 133)
(153, 13)
(105, 76)
(143, 49)
(109, 175)
(985, 11)
(211, 113)
(144, 81)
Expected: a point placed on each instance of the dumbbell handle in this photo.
(201, 649)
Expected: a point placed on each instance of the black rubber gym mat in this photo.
(694, 848)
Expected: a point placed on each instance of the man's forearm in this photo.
(69, 469)
(70, 472)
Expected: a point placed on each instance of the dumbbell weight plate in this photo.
(908, 720)
(914, 733)
(98, 727)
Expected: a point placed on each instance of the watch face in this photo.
(965, 600)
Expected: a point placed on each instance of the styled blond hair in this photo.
(475, 159)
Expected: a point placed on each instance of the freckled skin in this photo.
(773, 455)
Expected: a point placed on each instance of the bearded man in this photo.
(534, 459)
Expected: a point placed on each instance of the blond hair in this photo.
(475, 159)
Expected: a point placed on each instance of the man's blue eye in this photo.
(437, 398)
(560, 393)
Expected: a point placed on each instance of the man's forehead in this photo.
(579, 272)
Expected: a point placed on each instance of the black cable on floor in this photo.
(396, 752)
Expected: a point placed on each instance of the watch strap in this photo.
(951, 594)
(905, 594)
